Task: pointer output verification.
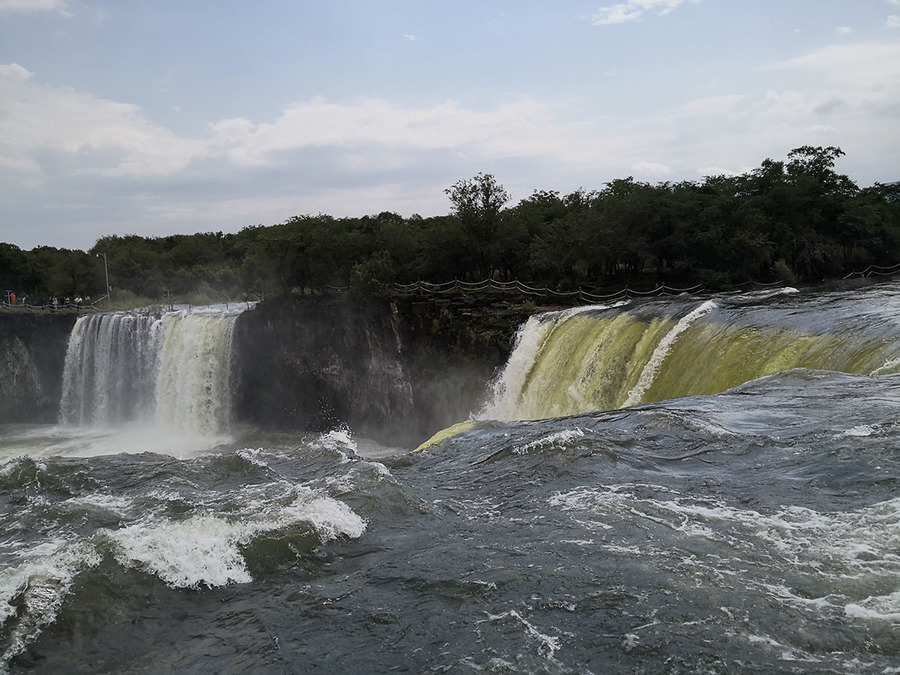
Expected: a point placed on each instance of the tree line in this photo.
(794, 220)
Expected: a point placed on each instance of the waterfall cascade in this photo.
(172, 369)
(601, 358)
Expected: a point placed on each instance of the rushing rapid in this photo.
(691, 485)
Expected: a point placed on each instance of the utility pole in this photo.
(106, 271)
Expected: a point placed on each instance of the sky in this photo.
(159, 117)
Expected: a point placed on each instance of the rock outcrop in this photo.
(32, 356)
(396, 372)
(393, 371)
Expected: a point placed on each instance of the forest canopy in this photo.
(792, 220)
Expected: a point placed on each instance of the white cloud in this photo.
(47, 129)
(43, 128)
(714, 105)
(844, 30)
(893, 21)
(519, 129)
(655, 169)
(871, 66)
(22, 6)
(633, 10)
(100, 135)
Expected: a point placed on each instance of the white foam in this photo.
(880, 607)
(764, 639)
(714, 430)
(330, 517)
(117, 505)
(42, 580)
(204, 550)
(648, 374)
(888, 366)
(862, 430)
(12, 464)
(340, 440)
(558, 438)
(766, 294)
(548, 645)
(852, 557)
(630, 641)
(530, 339)
(185, 554)
(215, 309)
(252, 456)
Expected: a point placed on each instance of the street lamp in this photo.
(106, 271)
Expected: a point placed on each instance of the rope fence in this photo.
(69, 307)
(457, 286)
(491, 285)
(875, 270)
(519, 288)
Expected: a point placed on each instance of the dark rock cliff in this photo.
(314, 364)
(396, 372)
(32, 356)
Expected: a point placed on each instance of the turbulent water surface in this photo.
(755, 529)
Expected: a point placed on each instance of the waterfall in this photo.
(602, 358)
(529, 343)
(171, 369)
(648, 374)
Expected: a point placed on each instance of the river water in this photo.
(750, 529)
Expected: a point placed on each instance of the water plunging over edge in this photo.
(173, 370)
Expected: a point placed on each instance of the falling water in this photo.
(171, 369)
(603, 358)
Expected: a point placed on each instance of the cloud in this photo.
(364, 128)
(98, 135)
(713, 105)
(893, 21)
(843, 30)
(49, 129)
(655, 169)
(871, 66)
(22, 6)
(854, 88)
(58, 133)
(633, 10)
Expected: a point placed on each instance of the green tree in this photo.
(477, 203)
(17, 273)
